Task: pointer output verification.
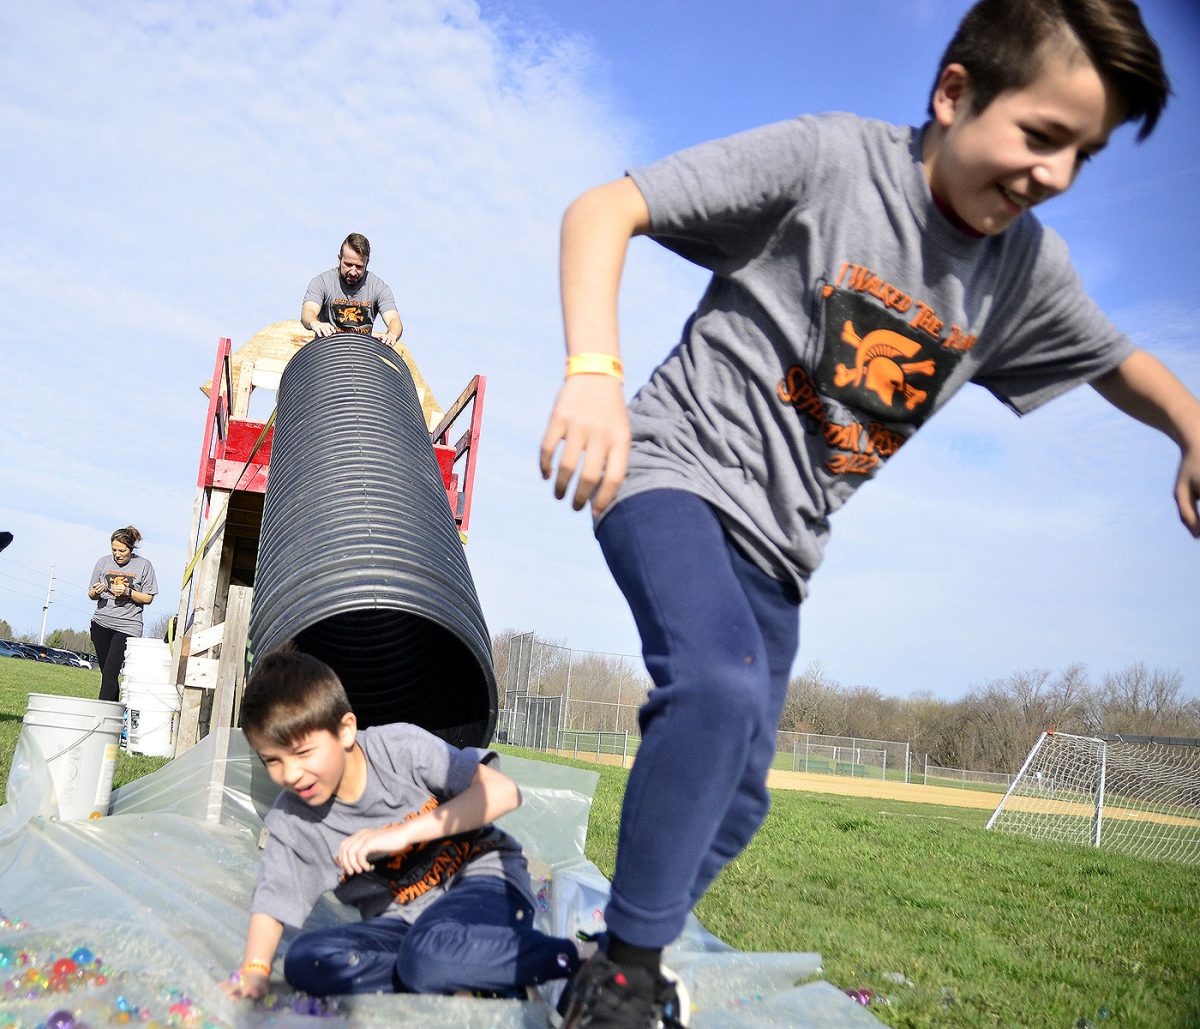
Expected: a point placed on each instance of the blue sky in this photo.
(177, 172)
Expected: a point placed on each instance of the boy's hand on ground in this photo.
(248, 984)
(589, 419)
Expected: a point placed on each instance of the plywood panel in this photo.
(263, 356)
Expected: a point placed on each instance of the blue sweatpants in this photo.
(478, 936)
(718, 637)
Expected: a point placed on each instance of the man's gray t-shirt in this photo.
(122, 614)
(409, 771)
(350, 310)
(843, 311)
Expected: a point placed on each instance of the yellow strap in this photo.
(596, 364)
(187, 574)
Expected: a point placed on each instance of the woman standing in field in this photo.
(122, 584)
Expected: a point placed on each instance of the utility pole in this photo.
(46, 608)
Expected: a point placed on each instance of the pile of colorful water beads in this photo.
(23, 977)
(33, 980)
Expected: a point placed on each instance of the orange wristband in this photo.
(261, 967)
(596, 364)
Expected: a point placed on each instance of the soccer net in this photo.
(1137, 795)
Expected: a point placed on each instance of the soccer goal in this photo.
(1137, 795)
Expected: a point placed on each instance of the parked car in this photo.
(89, 658)
(68, 657)
(9, 650)
(28, 650)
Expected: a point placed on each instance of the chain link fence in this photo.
(964, 778)
(584, 704)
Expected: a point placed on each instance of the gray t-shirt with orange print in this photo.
(843, 311)
(121, 613)
(350, 310)
(408, 771)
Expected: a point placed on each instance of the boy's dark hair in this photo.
(359, 243)
(999, 42)
(289, 695)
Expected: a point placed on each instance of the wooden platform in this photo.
(260, 361)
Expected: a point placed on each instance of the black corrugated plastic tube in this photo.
(359, 559)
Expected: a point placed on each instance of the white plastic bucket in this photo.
(78, 738)
(146, 660)
(151, 719)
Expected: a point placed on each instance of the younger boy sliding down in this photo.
(398, 824)
(862, 274)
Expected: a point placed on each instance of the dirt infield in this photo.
(914, 793)
(883, 790)
(951, 797)
(847, 786)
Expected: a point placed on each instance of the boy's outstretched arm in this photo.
(262, 940)
(1144, 388)
(490, 795)
(589, 416)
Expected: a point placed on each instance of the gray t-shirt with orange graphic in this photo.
(843, 311)
(350, 310)
(121, 613)
(408, 771)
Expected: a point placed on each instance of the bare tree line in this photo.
(991, 728)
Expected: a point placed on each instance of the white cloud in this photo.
(186, 169)
(179, 172)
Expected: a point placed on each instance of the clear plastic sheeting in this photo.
(159, 892)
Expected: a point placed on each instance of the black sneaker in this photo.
(606, 995)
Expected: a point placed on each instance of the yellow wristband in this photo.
(261, 967)
(596, 364)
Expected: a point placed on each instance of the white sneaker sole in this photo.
(681, 992)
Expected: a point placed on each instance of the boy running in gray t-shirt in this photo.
(861, 274)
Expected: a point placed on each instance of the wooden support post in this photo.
(206, 606)
(240, 401)
(216, 784)
(220, 612)
(231, 672)
(208, 570)
(189, 720)
(178, 648)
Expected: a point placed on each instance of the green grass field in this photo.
(980, 929)
(955, 926)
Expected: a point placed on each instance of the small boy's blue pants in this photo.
(478, 936)
(718, 637)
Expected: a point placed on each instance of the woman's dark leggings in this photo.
(110, 653)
